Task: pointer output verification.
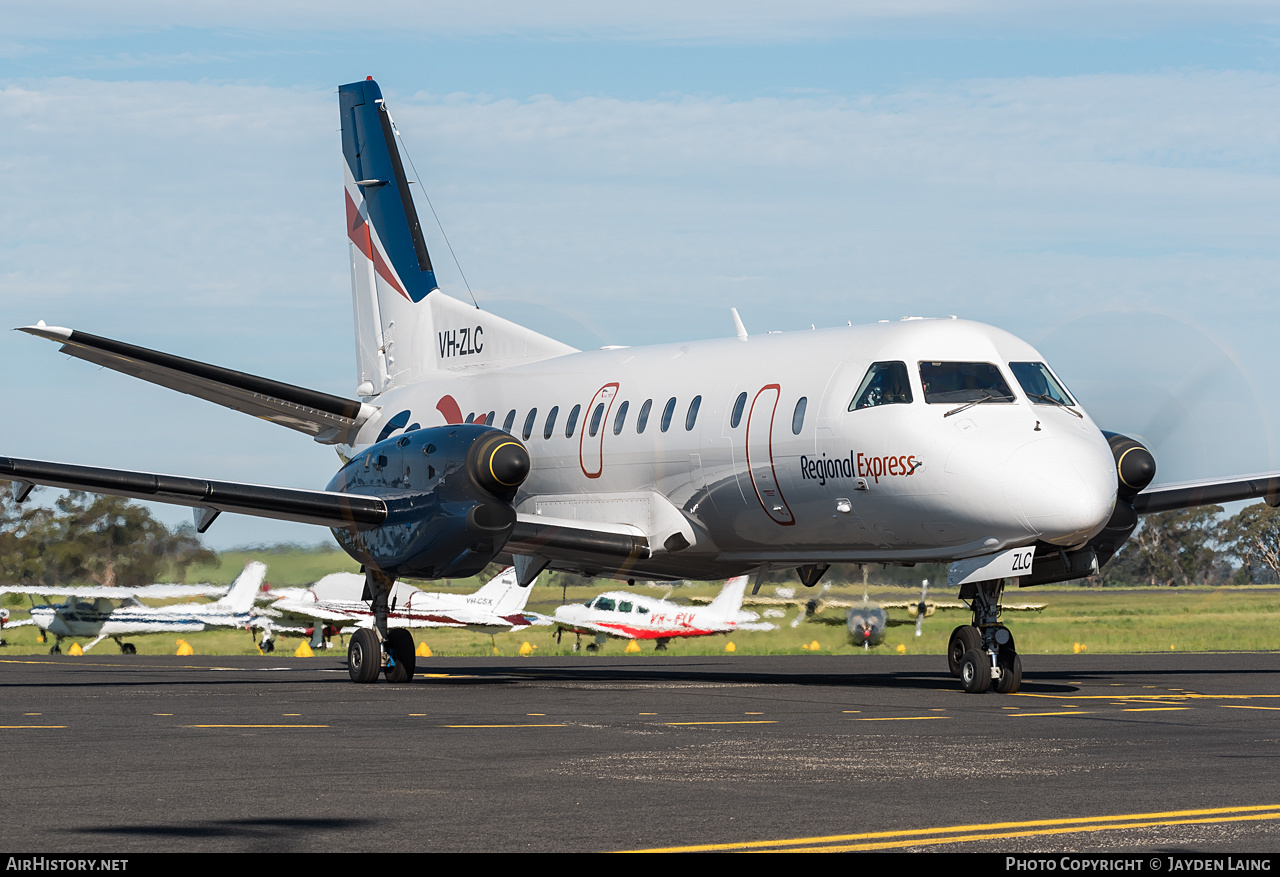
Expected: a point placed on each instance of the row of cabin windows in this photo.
(620, 419)
(596, 421)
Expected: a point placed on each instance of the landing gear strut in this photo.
(982, 655)
(378, 649)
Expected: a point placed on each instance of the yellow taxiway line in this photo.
(883, 840)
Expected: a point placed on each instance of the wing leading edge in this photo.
(326, 508)
(1189, 494)
(328, 419)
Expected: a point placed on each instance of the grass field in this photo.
(1096, 620)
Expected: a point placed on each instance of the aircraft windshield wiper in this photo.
(1044, 397)
(990, 397)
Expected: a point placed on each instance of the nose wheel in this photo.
(983, 655)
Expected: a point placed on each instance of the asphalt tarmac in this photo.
(1169, 752)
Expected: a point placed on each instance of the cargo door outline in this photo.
(591, 449)
(760, 466)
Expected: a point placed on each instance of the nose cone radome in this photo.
(1065, 487)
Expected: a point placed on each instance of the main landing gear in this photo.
(982, 655)
(378, 649)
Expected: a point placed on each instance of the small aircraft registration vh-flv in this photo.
(472, 439)
(625, 616)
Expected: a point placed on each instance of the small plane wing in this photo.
(328, 419)
(1189, 494)
(326, 508)
(144, 592)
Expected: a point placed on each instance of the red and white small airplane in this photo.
(338, 600)
(625, 616)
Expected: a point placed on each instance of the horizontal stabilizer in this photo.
(1189, 494)
(328, 419)
(326, 508)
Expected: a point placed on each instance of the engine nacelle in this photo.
(448, 491)
(1135, 469)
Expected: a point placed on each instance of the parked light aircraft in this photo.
(627, 616)
(474, 439)
(104, 617)
(338, 601)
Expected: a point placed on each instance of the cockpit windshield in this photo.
(886, 383)
(952, 382)
(1039, 384)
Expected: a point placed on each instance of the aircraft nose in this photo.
(1065, 487)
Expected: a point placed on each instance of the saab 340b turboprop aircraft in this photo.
(476, 440)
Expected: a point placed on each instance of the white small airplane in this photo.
(339, 600)
(118, 612)
(471, 439)
(624, 615)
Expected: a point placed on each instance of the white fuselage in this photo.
(894, 483)
(628, 616)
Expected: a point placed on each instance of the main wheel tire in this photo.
(1010, 672)
(963, 638)
(975, 671)
(400, 647)
(128, 649)
(364, 656)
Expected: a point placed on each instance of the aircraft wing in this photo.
(146, 592)
(1189, 494)
(307, 609)
(327, 419)
(539, 534)
(326, 508)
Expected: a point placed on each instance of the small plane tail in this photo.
(244, 590)
(729, 600)
(405, 328)
(505, 592)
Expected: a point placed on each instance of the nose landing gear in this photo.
(982, 655)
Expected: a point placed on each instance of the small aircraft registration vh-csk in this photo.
(338, 601)
(471, 439)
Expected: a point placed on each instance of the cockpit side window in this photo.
(952, 382)
(886, 383)
(1039, 384)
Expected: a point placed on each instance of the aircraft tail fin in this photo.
(405, 328)
(245, 589)
(505, 592)
(729, 600)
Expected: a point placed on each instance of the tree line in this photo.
(84, 538)
(89, 539)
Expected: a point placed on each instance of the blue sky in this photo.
(1100, 179)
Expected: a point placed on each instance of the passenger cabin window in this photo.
(604, 604)
(642, 419)
(528, 424)
(692, 417)
(670, 409)
(949, 383)
(797, 418)
(739, 405)
(572, 423)
(886, 383)
(620, 419)
(551, 422)
(510, 421)
(596, 417)
(1039, 384)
